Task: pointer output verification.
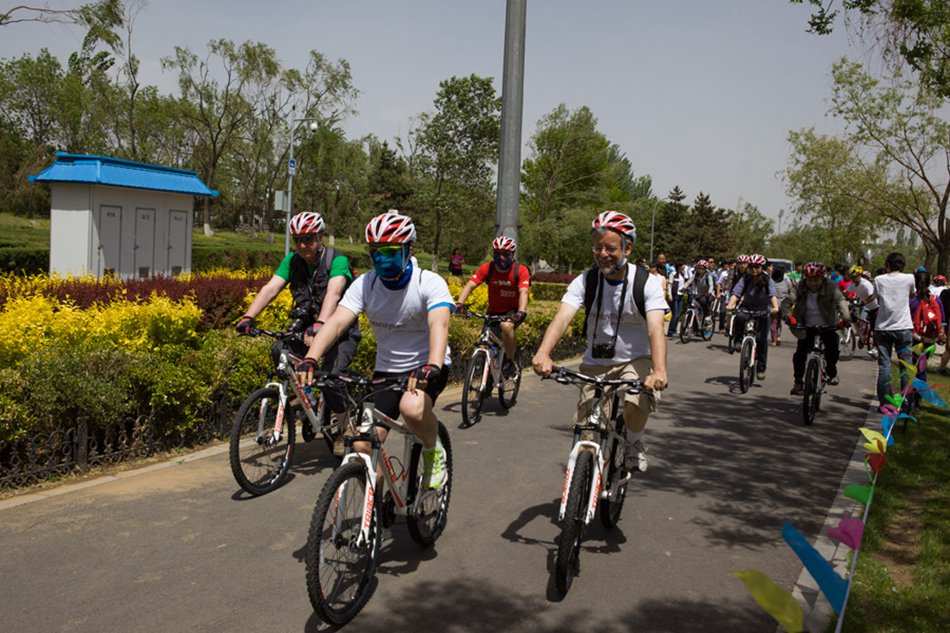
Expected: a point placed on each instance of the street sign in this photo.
(292, 166)
(280, 201)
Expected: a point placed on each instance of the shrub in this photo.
(24, 260)
(556, 278)
(544, 291)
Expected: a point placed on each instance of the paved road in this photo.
(180, 549)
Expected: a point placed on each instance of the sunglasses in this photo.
(305, 239)
(386, 251)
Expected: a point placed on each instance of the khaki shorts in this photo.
(637, 368)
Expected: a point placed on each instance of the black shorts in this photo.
(387, 402)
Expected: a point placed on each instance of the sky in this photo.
(697, 93)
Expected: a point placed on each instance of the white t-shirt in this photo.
(893, 291)
(864, 290)
(400, 317)
(632, 339)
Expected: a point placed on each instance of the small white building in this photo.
(119, 217)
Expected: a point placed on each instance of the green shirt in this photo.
(339, 266)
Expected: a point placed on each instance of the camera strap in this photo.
(600, 298)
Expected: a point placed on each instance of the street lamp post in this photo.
(291, 170)
(653, 226)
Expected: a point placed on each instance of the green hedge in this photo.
(24, 260)
(544, 291)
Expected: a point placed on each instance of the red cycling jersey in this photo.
(502, 294)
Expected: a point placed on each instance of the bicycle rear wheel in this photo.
(473, 394)
(428, 522)
(616, 471)
(567, 564)
(509, 388)
(811, 395)
(340, 568)
(746, 368)
(259, 461)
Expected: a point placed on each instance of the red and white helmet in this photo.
(756, 260)
(703, 263)
(813, 269)
(391, 228)
(742, 259)
(504, 243)
(306, 222)
(617, 222)
(867, 275)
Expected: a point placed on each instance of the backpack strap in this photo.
(594, 281)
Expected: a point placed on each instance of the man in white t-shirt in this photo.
(622, 343)
(894, 328)
(409, 310)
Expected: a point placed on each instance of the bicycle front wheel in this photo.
(340, 564)
(686, 327)
(473, 394)
(746, 370)
(567, 564)
(811, 395)
(428, 521)
(612, 506)
(260, 457)
(848, 344)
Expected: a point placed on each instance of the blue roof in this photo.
(105, 170)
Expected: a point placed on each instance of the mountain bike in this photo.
(262, 433)
(485, 369)
(346, 529)
(748, 349)
(595, 469)
(730, 325)
(815, 378)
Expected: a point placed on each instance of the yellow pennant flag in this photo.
(777, 602)
(918, 348)
(911, 370)
(875, 441)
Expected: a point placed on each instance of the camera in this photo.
(602, 350)
(299, 316)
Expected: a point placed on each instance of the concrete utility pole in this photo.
(512, 105)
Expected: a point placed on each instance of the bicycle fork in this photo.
(596, 484)
(281, 410)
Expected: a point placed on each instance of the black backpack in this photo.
(593, 281)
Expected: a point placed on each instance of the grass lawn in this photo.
(902, 579)
(20, 232)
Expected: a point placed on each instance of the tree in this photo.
(903, 146)
(458, 147)
(915, 33)
(669, 237)
(827, 178)
(750, 229)
(218, 110)
(573, 171)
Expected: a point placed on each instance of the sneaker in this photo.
(338, 446)
(635, 455)
(760, 375)
(833, 380)
(778, 342)
(433, 460)
(797, 389)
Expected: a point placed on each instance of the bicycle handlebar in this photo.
(567, 376)
(281, 336)
(488, 318)
(754, 313)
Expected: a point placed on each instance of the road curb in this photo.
(817, 610)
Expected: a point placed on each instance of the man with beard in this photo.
(509, 287)
(755, 292)
(625, 338)
(318, 276)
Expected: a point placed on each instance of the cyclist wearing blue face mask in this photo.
(509, 286)
(408, 309)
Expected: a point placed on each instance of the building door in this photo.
(110, 240)
(144, 242)
(177, 240)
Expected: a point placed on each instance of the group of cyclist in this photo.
(409, 308)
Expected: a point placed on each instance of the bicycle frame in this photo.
(495, 348)
(599, 421)
(395, 482)
(285, 370)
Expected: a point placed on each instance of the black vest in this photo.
(309, 290)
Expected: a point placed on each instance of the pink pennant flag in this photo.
(849, 532)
